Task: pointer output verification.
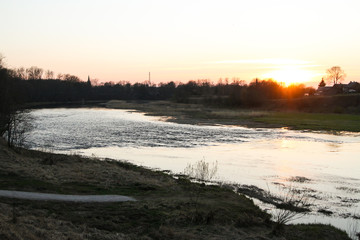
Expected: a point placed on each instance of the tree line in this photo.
(34, 87)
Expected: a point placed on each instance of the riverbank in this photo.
(166, 207)
(203, 115)
(192, 113)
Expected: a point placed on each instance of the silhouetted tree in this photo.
(13, 121)
(335, 75)
(34, 72)
(49, 74)
(71, 78)
(60, 76)
(18, 126)
(322, 83)
(20, 73)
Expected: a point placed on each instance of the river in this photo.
(325, 166)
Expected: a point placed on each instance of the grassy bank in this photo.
(199, 114)
(166, 207)
(313, 121)
(205, 115)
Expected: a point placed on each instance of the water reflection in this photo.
(287, 144)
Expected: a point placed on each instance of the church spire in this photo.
(88, 81)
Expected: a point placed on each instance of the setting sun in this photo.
(290, 75)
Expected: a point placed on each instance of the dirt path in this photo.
(62, 197)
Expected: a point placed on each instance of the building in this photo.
(352, 87)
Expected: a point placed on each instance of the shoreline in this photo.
(198, 114)
(163, 202)
(166, 207)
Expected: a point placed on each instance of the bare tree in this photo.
(49, 74)
(60, 76)
(71, 78)
(18, 126)
(335, 75)
(21, 73)
(95, 82)
(18, 73)
(34, 72)
(14, 123)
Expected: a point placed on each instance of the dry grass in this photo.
(193, 113)
(226, 113)
(162, 212)
(199, 114)
(60, 170)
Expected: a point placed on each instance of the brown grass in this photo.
(278, 117)
(193, 113)
(164, 209)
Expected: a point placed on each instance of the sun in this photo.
(290, 75)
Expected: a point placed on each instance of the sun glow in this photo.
(290, 75)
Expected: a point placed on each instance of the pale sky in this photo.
(183, 40)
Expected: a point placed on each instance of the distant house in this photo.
(326, 91)
(339, 88)
(352, 87)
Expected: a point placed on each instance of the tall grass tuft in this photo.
(202, 172)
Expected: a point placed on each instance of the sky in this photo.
(290, 41)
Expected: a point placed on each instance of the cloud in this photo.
(296, 66)
(271, 61)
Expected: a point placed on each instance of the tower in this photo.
(88, 81)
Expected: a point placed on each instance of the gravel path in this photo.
(63, 197)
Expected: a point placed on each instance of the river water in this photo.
(325, 166)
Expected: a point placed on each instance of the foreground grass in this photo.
(199, 114)
(166, 208)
